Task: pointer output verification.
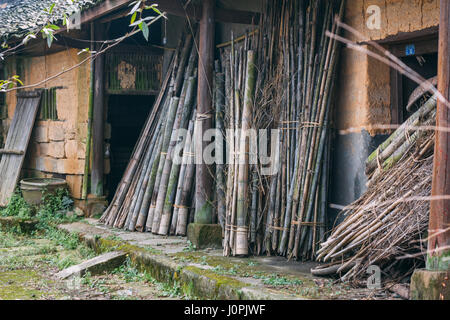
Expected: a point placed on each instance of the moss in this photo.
(12, 285)
(223, 287)
(430, 285)
(105, 245)
(205, 235)
(440, 262)
(18, 224)
(203, 215)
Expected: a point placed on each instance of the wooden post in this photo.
(203, 176)
(440, 208)
(87, 158)
(98, 118)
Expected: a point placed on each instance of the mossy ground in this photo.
(29, 259)
(239, 270)
(28, 264)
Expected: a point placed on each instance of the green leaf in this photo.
(154, 8)
(84, 50)
(133, 17)
(28, 38)
(51, 8)
(49, 40)
(144, 27)
(54, 27)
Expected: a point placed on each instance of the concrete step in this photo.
(96, 265)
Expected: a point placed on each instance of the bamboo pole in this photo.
(241, 213)
(175, 167)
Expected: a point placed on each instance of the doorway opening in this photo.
(419, 52)
(126, 115)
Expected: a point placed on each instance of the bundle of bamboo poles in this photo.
(282, 213)
(155, 191)
(385, 225)
(304, 64)
(235, 89)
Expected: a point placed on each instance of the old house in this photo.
(132, 74)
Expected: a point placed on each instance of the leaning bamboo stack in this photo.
(155, 189)
(386, 225)
(238, 89)
(300, 84)
(283, 212)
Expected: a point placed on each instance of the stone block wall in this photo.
(57, 147)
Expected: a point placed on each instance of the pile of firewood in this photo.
(386, 225)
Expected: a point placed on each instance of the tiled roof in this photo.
(18, 17)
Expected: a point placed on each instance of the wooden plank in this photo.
(8, 151)
(408, 36)
(438, 229)
(102, 9)
(18, 137)
(97, 265)
(421, 47)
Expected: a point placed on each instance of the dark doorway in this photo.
(419, 52)
(426, 66)
(127, 115)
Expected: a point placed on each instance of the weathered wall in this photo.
(57, 147)
(396, 16)
(363, 92)
(223, 30)
(364, 96)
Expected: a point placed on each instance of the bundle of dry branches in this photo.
(386, 225)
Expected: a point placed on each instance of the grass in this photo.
(224, 271)
(275, 280)
(190, 248)
(51, 212)
(130, 273)
(49, 248)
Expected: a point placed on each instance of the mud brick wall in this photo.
(57, 147)
(364, 88)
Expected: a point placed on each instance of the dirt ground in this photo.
(28, 265)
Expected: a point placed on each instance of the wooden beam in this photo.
(8, 151)
(98, 117)
(203, 173)
(236, 16)
(439, 223)
(174, 7)
(102, 9)
(403, 37)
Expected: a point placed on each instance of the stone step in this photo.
(96, 265)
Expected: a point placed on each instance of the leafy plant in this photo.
(129, 272)
(275, 280)
(64, 239)
(191, 247)
(54, 206)
(223, 271)
(17, 206)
